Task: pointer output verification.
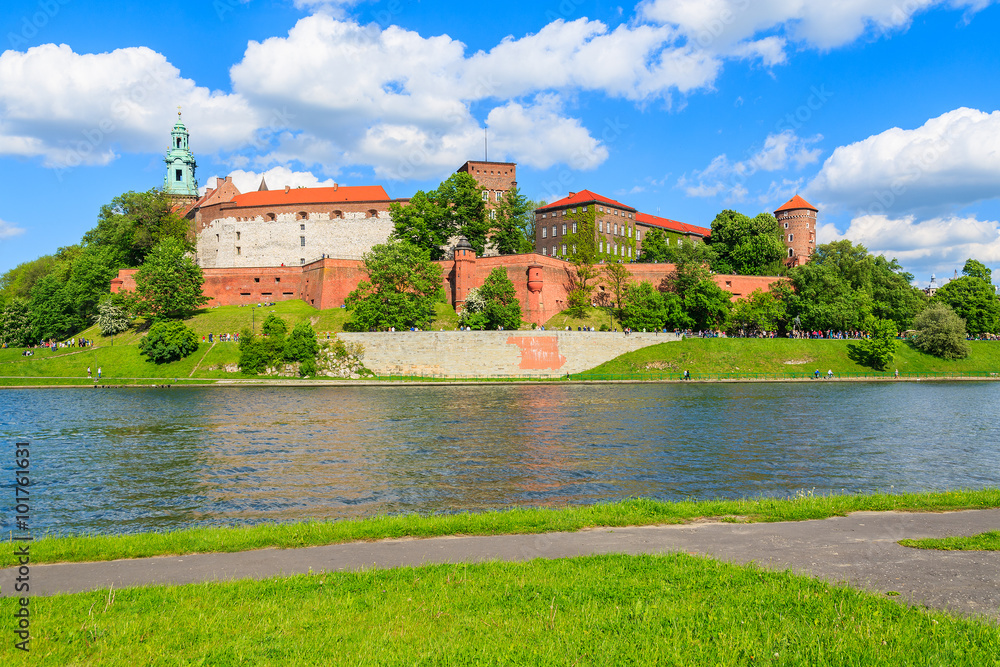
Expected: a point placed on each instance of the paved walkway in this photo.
(860, 549)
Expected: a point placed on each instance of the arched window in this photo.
(301, 215)
(372, 213)
(270, 217)
(791, 253)
(336, 215)
(178, 142)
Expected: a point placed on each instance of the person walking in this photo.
(829, 374)
(88, 372)
(98, 372)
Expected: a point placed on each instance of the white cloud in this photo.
(276, 177)
(539, 136)
(952, 160)
(728, 26)
(8, 230)
(780, 151)
(70, 109)
(923, 246)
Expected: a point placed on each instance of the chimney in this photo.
(334, 187)
(571, 194)
(286, 189)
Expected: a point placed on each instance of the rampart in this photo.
(496, 353)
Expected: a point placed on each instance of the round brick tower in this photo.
(797, 219)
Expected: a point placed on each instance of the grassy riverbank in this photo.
(635, 512)
(641, 610)
(783, 356)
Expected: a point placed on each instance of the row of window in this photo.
(616, 249)
(600, 228)
(600, 209)
(555, 229)
(496, 193)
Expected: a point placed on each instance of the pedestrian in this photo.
(829, 374)
(687, 375)
(98, 372)
(88, 372)
(897, 374)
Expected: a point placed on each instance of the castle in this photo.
(307, 243)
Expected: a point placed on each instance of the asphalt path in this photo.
(860, 549)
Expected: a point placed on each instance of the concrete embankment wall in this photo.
(496, 353)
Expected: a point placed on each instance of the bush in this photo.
(307, 368)
(112, 317)
(253, 359)
(168, 341)
(941, 332)
(604, 327)
(274, 326)
(301, 344)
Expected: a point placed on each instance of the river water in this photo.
(128, 460)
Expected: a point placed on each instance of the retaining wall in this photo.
(496, 353)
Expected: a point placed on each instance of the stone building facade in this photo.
(797, 219)
(495, 179)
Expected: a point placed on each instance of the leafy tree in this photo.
(513, 231)
(168, 341)
(708, 305)
(432, 218)
(134, 223)
(878, 349)
(52, 312)
(168, 282)
(403, 284)
(656, 247)
(272, 342)
(113, 317)
(501, 307)
(274, 326)
(647, 308)
(16, 283)
(583, 255)
(759, 313)
(973, 298)
(842, 284)
(618, 279)
(15, 324)
(253, 358)
(301, 345)
(747, 246)
(941, 332)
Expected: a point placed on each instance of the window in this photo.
(564, 248)
(553, 251)
(277, 279)
(302, 241)
(256, 280)
(630, 232)
(302, 260)
(616, 230)
(791, 237)
(216, 238)
(486, 195)
(543, 216)
(545, 251)
(238, 250)
(616, 248)
(545, 232)
(574, 229)
(269, 217)
(337, 214)
(237, 236)
(302, 227)
(584, 209)
(553, 231)
(301, 215)
(564, 229)
(630, 252)
(499, 195)
(178, 142)
(600, 226)
(178, 175)
(679, 241)
(790, 252)
(786, 225)
(493, 214)
(602, 246)
(638, 235)
(574, 248)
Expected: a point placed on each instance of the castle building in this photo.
(495, 179)
(179, 182)
(618, 227)
(797, 218)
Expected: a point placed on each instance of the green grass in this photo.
(594, 317)
(779, 356)
(633, 512)
(671, 609)
(989, 541)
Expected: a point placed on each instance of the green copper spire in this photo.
(180, 181)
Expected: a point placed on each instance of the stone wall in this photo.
(495, 353)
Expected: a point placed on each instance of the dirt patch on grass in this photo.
(798, 362)
(660, 366)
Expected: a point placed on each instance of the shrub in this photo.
(301, 344)
(253, 359)
(307, 368)
(941, 332)
(112, 318)
(274, 326)
(168, 341)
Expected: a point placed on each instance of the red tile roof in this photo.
(671, 225)
(359, 193)
(796, 202)
(584, 197)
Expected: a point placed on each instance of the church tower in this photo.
(180, 183)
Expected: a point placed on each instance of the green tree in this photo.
(747, 246)
(422, 223)
(15, 323)
(113, 317)
(618, 278)
(301, 345)
(656, 247)
(761, 312)
(973, 298)
(168, 341)
(583, 253)
(402, 287)
(52, 313)
(879, 348)
(941, 332)
(253, 358)
(501, 307)
(456, 208)
(134, 223)
(16, 283)
(513, 230)
(707, 305)
(272, 342)
(168, 283)
(646, 308)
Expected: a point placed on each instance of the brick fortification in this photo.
(797, 219)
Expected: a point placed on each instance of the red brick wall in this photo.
(326, 283)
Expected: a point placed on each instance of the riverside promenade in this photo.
(860, 549)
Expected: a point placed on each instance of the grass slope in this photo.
(989, 541)
(633, 512)
(637, 610)
(784, 356)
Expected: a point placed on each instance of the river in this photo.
(129, 460)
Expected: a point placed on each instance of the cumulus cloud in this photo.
(780, 151)
(8, 230)
(923, 245)
(725, 26)
(952, 160)
(539, 136)
(70, 109)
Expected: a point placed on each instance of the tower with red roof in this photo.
(797, 219)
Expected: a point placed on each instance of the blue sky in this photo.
(882, 113)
